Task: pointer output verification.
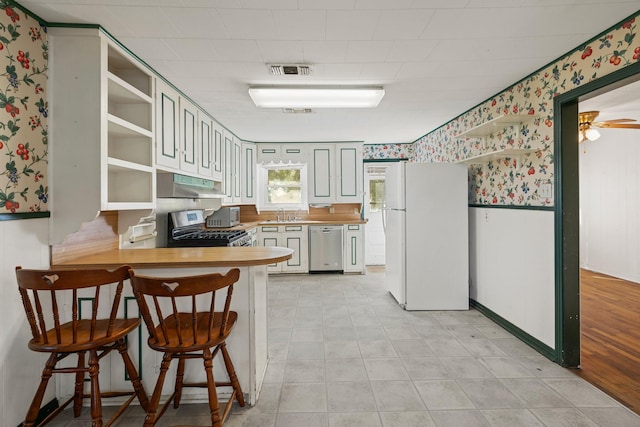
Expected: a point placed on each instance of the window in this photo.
(376, 194)
(284, 186)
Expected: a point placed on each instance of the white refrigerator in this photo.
(427, 235)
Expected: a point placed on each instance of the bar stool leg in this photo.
(133, 374)
(32, 413)
(96, 404)
(150, 419)
(79, 389)
(216, 421)
(233, 378)
(179, 379)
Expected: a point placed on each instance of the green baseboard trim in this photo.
(45, 411)
(532, 342)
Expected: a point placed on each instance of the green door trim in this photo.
(567, 205)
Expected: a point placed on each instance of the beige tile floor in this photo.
(343, 354)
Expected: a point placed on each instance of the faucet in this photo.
(278, 216)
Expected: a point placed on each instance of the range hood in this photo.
(173, 185)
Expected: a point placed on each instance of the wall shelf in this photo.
(497, 124)
(497, 154)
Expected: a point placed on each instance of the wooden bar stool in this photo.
(189, 328)
(48, 295)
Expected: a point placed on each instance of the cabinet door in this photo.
(269, 153)
(227, 167)
(188, 136)
(321, 164)
(296, 153)
(354, 248)
(167, 107)
(349, 173)
(205, 147)
(270, 236)
(248, 175)
(218, 151)
(236, 171)
(296, 237)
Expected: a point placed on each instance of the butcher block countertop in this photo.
(242, 256)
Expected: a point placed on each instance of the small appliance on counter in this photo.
(224, 217)
(186, 229)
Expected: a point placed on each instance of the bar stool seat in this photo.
(47, 296)
(183, 323)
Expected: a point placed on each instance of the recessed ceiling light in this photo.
(316, 96)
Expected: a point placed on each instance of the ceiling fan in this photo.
(586, 125)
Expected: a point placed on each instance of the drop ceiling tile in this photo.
(383, 4)
(237, 50)
(281, 51)
(272, 4)
(326, 4)
(411, 50)
(324, 51)
(445, 4)
(246, 24)
(351, 25)
(300, 24)
(377, 73)
(141, 22)
(368, 51)
(402, 24)
(187, 49)
(203, 23)
(339, 72)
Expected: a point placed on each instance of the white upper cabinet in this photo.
(217, 153)
(102, 140)
(276, 153)
(188, 137)
(205, 146)
(168, 128)
(248, 173)
(322, 173)
(349, 176)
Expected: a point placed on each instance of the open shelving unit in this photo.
(490, 127)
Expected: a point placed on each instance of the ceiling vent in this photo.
(290, 70)
(296, 110)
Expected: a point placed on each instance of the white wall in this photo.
(24, 242)
(511, 265)
(610, 204)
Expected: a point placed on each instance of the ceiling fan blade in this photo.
(618, 125)
(615, 121)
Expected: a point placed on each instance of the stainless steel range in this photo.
(186, 229)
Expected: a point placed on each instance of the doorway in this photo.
(567, 209)
(374, 253)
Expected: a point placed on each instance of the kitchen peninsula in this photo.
(247, 343)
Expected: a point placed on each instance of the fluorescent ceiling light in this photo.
(316, 97)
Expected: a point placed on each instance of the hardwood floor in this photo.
(610, 336)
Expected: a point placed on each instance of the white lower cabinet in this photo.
(354, 248)
(295, 237)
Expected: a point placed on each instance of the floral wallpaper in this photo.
(387, 151)
(516, 180)
(23, 103)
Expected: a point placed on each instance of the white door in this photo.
(374, 200)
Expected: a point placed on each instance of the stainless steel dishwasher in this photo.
(325, 249)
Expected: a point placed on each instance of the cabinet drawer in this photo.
(353, 227)
(269, 229)
(293, 228)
